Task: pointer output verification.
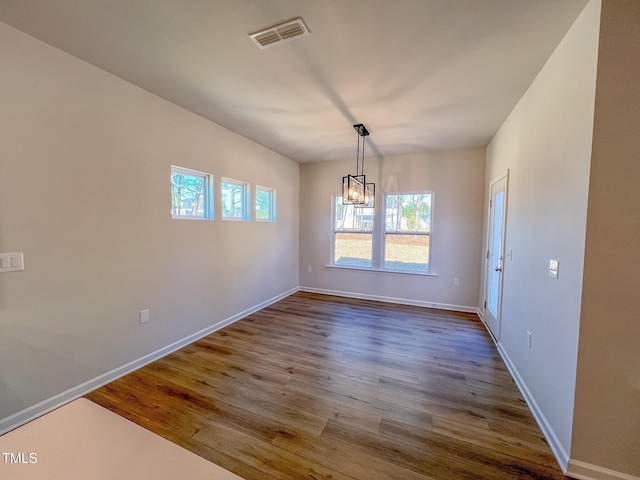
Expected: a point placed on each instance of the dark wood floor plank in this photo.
(436, 455)
(204, 397)
(321, 387)
(265, 457)
(522, 446)
(233, 464)
(310, 403)
(372, 404)
(344, 458)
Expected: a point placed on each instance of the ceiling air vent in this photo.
(280, 33)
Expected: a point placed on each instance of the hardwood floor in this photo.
(322, 387)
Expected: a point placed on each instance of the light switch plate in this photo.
(11, 262)
(144, 316)
(553, 268)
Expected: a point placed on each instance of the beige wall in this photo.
(84, 193)
(607, 412)
(455, 177)
(546, 146)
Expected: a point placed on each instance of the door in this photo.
(495, 254)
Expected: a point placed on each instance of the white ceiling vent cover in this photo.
(280, 33)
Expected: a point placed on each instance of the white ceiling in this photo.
(420, 74)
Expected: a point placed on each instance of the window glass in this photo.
(407, 232)
(190, 194)
(353, 235)
(234, 199)
(265, 204)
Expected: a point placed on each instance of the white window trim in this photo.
(383, 271)
(208, 192)
(272, 203)
(383, 245)
(246, 206)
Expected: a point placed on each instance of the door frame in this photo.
(487, 273)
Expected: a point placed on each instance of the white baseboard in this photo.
(403, 301)
(39, 409)
(556, 447)
(587, 471)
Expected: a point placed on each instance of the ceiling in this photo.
(420, 74)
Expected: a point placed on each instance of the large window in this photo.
(234, 200)
(407, 231)
(265, 204)
(352, 235)
(191, 194)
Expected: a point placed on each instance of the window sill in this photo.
(382, 270)
(174, 217)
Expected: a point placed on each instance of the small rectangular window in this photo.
(352, 235)
(265, 204)
(407, 232)
(191, 194)
(234, 200)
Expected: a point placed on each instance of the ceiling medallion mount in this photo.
(362, 130)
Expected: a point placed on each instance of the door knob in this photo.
(498, 269)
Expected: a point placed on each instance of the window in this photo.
(234, 200)
(353, 235)
(265, 204)
(191, 194)
(407, 231)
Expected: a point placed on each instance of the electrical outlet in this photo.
(308, 268)
(144, 316)
(456, 282)
(528, 339)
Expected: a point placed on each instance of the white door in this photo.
(495, 254)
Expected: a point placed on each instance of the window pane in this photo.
(188, 194)
(406, 252)
(496, 248)
(353, 249)
(350, 217)
(408, 213)
(353, 238)
(233, 198)
(265, 204)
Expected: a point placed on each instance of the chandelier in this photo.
(355, 189)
